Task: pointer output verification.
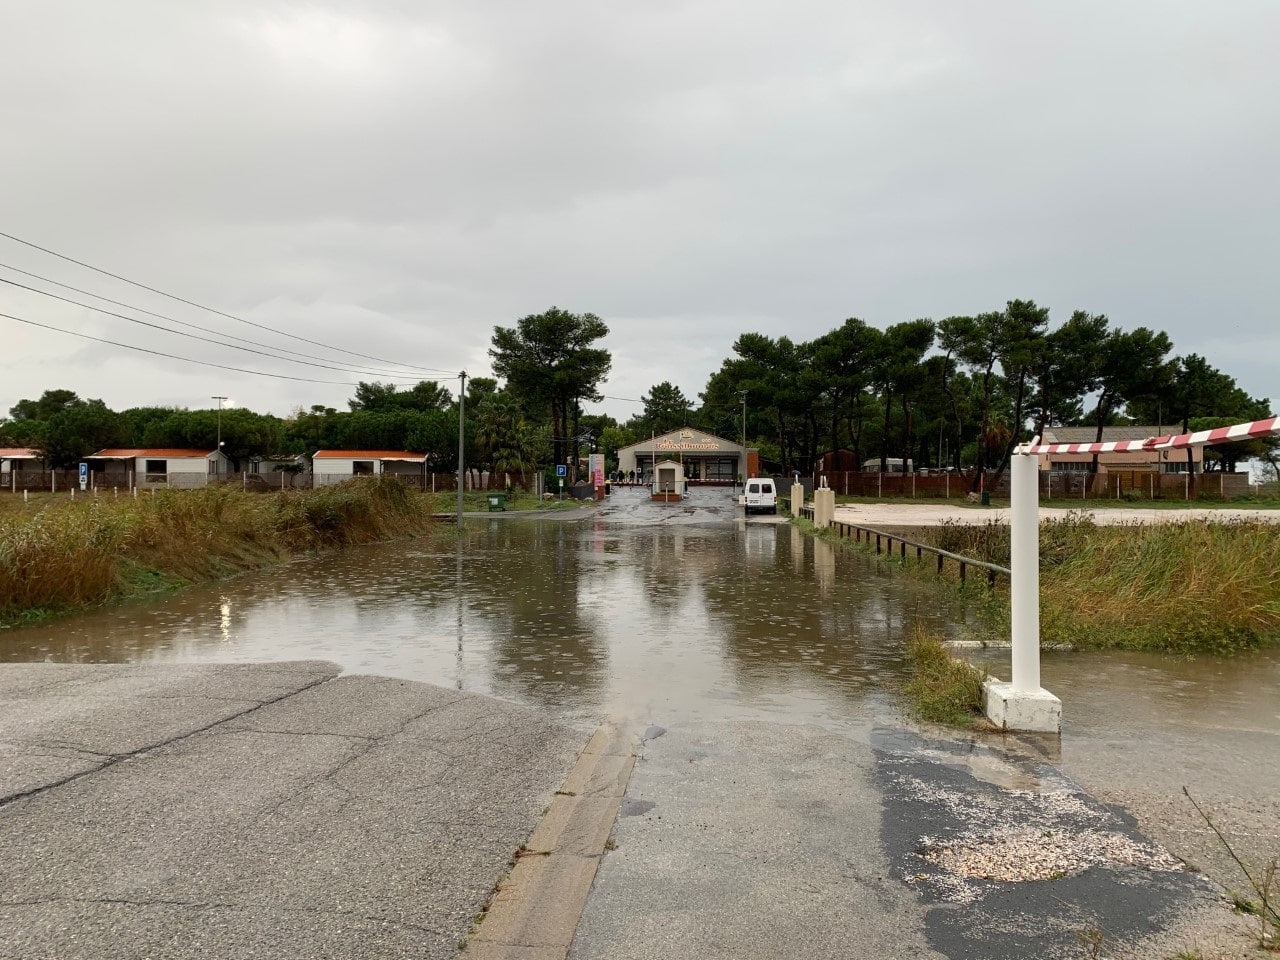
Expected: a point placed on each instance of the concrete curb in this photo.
(535, 909)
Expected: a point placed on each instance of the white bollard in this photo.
(797, 499)
(1024, 557)
(1022, 704)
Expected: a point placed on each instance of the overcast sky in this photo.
(396, 178)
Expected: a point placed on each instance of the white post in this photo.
(1025, 563)
(1023, 704)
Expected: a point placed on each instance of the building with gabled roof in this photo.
(164, 466)
(1159, 461)
(703, 456)
(335, 466)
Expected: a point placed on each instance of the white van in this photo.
(760, 496)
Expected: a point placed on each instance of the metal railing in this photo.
(885, 544)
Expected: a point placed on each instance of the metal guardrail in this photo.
(885, 542)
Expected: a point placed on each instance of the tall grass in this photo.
(1196, 585)
(942, 689)
(72, 553)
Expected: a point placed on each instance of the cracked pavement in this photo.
(257, 810)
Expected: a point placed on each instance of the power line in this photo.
(200, 306)
(179, 333)
(174, 356)
(182, 323)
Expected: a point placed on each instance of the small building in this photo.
(335, 466)
(703, 457)
(843, 460)
(279, 463)
(891, 465)
(1154, 461)
(156, 466)
(18, 460)
(669, 483)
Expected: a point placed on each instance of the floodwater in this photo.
(635, 611)
(655, 612)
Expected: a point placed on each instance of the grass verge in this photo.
(1194, 586)
(942, 689)
(70, 554)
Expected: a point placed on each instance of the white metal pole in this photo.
(462, 396)
(1025, 567)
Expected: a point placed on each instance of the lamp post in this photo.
(462, 399)
(218, 463)
(742, 395)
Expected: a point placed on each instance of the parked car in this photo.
(761, 496)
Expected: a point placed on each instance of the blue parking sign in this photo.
(84, 476)
(561, 470)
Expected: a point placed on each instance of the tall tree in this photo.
(76, 431)
(1022, 347)
(424, 396)
(551, 364)
(897, 373)
(666, 408)
(1132, 368)
(50, 402)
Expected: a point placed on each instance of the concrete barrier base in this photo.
(1038, 711)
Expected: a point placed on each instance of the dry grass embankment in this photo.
(68, 553)
(1193, 586)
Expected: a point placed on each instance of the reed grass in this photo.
(1190, 586)
(68, 554)
(942, 689)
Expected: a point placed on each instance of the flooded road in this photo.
(642, 611)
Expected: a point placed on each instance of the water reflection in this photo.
(702, 617)
(695, 615)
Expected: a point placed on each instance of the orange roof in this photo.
(18, 453)
(124, 453)
(367, 455)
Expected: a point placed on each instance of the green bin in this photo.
(986, 498)
(497, 501)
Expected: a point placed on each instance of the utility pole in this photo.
(742, 395)
(462, 400)
(218, 462)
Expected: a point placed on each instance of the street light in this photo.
(218, 463)
(742, 395)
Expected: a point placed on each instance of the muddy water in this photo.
(642, 611)
(639, 611)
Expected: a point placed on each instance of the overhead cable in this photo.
(193, 336)
(201, 306)
(183, 323)
(174, 356)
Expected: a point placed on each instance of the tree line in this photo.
(959, 393)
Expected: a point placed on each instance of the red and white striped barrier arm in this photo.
(1269, 427)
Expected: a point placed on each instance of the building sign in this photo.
(682, 445)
